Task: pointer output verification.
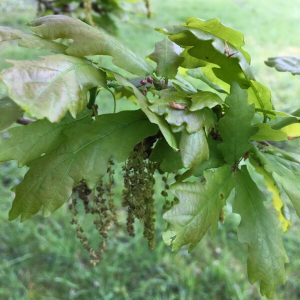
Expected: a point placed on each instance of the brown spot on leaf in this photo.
(178, 106)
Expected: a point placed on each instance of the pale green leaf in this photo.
(276, 113)
(215, 27)
(50, 180)
(52, 86)
(266, 254)
(294, 157)
(205, 99)
(273, 188)
(215, 160)
(162, 124)
(266, 133)
(193, 148)
(208, 47)
(292, 130)
(235, 127)
(285, 64)
(290, 124)
(30, 40)
(193, 121)
(166, 55)
(9, 113)
(198, 74)
(198, 208)
(286, 172)
(260, 96)
(88, 40)
(28, 142)
(205, 44)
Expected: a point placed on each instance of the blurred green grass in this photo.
(42, 259)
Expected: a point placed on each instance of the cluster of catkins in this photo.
(168, 204)
(138, 192)
(101, 206)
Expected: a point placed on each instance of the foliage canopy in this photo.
(208, 138)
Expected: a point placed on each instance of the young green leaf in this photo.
(153, 118)
(266, 254)
(88, 40)
(266, 133)
(235, 127)
(29, 142)
(10, 112)
(198, 74)
(209, 46)
(215, 27)
(275, 113)
(215, 160)
(193, 149)
(199, 208)
(175, 108)
(50, 179)
(260, 96)
(205, 99)
(166, 55)
(52, 86)
(290, 124)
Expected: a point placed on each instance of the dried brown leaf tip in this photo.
(227, 50)
(178, 106)
(290, 138)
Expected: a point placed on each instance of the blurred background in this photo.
(42, 258)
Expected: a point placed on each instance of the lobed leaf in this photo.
(198, 74)
(208, 46)
(286, 172)
(153, 118)
(199, 208)
(205, 99)
(215, 27)
(27, 143)
(30, 40)
(52, 86)
(266, 254)
(50, 179)
(166, 55)
(192, 121)
(88, 40)
(285, 64)
(217, 51)
(260, 96)
(215, 159)
(267, 133)
(274, 189)
(235, 127)
(193, 149)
